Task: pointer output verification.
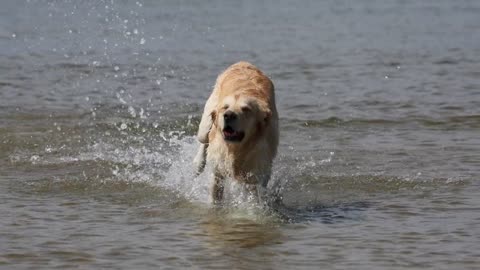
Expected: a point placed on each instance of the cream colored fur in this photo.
(242, 89)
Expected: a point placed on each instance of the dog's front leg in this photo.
(217, 188)
(257, 187)
(200, 159)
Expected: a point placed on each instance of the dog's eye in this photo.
(246, 109)
(225, 106)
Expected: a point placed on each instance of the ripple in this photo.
(452, 122)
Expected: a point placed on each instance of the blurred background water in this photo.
(379, 157)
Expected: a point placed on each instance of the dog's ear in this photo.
(213, 117)
(204, 129)
(265, 113)
(208, 117)
(205, 125)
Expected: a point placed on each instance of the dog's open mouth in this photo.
(229, 134)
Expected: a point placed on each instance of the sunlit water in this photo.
(379, 157)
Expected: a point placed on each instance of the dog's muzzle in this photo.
(229, 133)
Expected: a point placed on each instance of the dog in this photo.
(238, 130)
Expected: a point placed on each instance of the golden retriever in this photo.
(238, 131)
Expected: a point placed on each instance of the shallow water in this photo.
(379, 157)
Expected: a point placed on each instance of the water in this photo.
(379, 157)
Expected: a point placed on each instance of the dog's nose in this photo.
(229, 116)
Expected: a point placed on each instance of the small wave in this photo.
(461, 121)
(453, 122)
(335, 122)
(324, 213)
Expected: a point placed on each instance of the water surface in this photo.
(379, 157)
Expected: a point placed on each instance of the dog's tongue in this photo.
(229, 132)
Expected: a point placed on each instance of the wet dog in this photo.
(238, 131)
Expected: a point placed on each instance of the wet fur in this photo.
(249, 161)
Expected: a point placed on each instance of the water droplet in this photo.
(141, 113)
(14, 35)
(123, 126)
(132, 111)
(115, 171)
(142, 41)
(116, 68)
(135, 31)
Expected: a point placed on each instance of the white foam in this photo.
(180, 176)
(168, 165)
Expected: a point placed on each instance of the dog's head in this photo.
(239, 118)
